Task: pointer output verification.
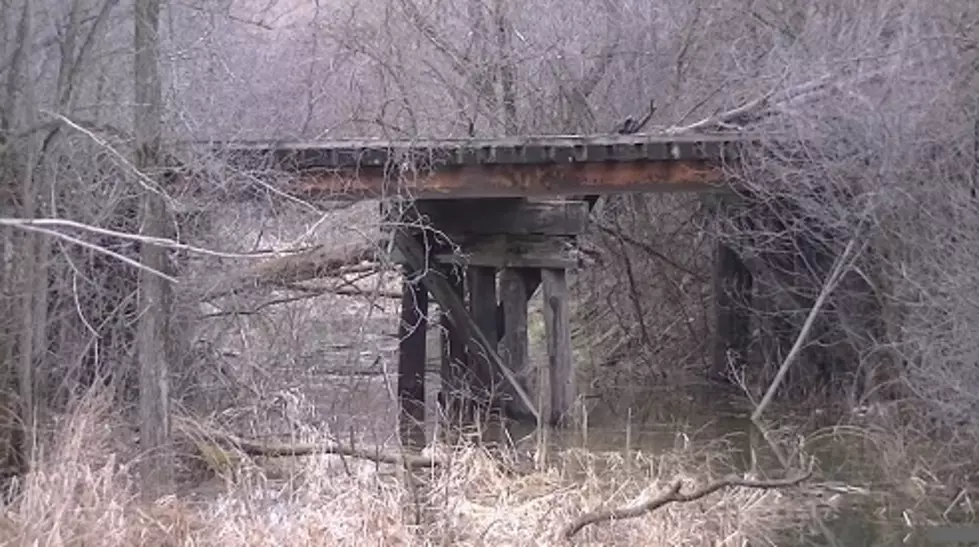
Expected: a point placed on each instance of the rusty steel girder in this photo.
(494, 168)
(510, 181)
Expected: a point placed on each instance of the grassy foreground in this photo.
(82, 492)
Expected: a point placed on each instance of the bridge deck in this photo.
(545, 166)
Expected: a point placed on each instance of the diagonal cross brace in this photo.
(440, 288)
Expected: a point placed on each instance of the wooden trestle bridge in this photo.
(469, 213)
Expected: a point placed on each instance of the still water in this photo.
(848, 466)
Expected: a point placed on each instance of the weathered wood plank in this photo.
(514, 252)
(513, 300)
(557, 325)
(732, 295)
(411, 361)
(441, 289)
(462, 217)
(419, 154)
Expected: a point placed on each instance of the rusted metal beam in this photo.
(511, 181)
(524, 166)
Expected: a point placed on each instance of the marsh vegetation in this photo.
(128, 256)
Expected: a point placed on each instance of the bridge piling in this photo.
(455, 366)
(522, 245)
(515, 294)
(557, 325)
(411, 360)
(488, 380)
(732, 297)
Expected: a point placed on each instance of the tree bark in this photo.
(32, 269)
(152, 344)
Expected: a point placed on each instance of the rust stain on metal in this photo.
(515, 180)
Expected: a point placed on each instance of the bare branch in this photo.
(149, 240)
(674, 495)
(145, 180)
(82, 243)
(842, 265)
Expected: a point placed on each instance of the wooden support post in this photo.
(455, 360)
(558, 332)
(531, 281)
(732, 296)
(476, 341)
(411, 361)
(513, 303)
(482, 306)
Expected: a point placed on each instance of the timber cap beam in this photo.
(487, 168)
(459, 218)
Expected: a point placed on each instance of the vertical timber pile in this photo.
(557, 326)
(732, 299)
(515, 292)
(411, 359)
(522, 243)
(454, 358)
(487, 385)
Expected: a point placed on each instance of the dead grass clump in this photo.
(82, 493)
(78, 491)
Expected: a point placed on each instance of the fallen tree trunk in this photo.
(279, 450)
(672, 495)
(315, 263)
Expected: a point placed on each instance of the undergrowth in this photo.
(82, 490)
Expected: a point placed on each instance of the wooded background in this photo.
(869, 107)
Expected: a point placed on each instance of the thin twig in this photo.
(612, 231)
(145, 180)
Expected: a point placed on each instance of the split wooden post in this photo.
(514, 294)
(455, 359)
(557, 325)
(482, 306)
(411, 360)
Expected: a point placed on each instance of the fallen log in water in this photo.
(196, 432)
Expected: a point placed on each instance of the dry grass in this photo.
(82, 492)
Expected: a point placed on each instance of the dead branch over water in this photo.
(674, 495)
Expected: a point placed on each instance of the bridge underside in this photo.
(466, 233)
